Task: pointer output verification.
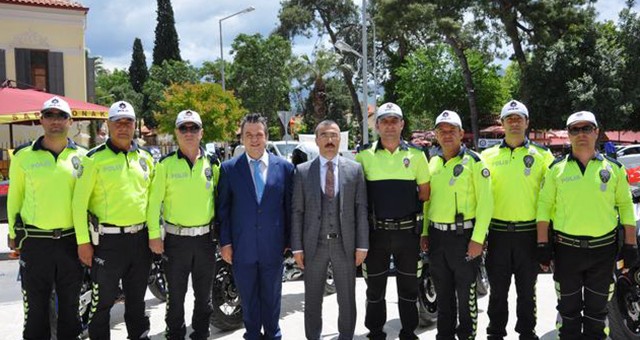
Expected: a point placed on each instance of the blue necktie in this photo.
(257, 178)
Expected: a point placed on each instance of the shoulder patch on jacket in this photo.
(473, 155)
(96, 150)
(539, 146)
(613, 160)
(557, 160)
(166, 156)
(21, 147)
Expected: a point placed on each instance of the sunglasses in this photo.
(587, 129)
(55, 115)
(188, 128)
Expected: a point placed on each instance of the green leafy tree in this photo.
(431, 81)
(338, 19)
(166, 46)
(444, 21)
(220, 110)
(138, 75)
(629, 40)
(138, 71)
(209, 71)
(581, 71)
(161, 77)
(261, 76)
(313, 73)
(532, 25)
(511, 80)
(112, 86)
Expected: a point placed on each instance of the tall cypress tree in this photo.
(166, 44)
(138, 72)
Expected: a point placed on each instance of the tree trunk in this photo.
(347, 75)
(468, 84)
(509, 18)
(319, 100)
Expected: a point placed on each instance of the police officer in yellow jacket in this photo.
(43, 174)
(459, 212)
(586, 194)
(517, 168)
(113, 186)
(184, 184)
(397, 177)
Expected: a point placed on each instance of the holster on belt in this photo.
(94, 228)
(419, 220)
(21, 232)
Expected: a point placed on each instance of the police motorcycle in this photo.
(624, 305)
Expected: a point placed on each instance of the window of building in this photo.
(40, 69)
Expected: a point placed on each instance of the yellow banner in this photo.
(35, 115)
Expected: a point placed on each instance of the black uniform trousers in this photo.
(125, 257)
(184, 255)
(584, 278)
(404, 245)
(512, 253)
(46, 264)
(454, 277)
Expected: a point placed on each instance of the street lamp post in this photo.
(246, 10)
(365, 79)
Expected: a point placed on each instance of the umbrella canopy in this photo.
(17, 105)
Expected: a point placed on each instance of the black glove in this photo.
(544, 253)
(629, 255)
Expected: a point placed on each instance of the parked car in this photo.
(278, 148)
(630, 161)
(632, 149)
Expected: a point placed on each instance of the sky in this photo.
(112, 26)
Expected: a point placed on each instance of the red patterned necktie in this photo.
(329, 188)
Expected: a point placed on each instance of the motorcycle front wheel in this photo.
(156, 282)
(427, 300)
(227, 311)
(624, 310)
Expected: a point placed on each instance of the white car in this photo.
(625, 150)
(278, 148)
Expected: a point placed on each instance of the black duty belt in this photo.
(397, 224)
(500, 225)
(585, 242)
(35, 232)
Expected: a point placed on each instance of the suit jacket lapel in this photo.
(271, 175)
(341, 177)
(314, 182)
(243, 167)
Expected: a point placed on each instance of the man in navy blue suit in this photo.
(254, 212)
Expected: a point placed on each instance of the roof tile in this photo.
(70, 4)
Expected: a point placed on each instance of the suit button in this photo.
(259, 211)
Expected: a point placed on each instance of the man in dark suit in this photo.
(329, 225)
(254, 214)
